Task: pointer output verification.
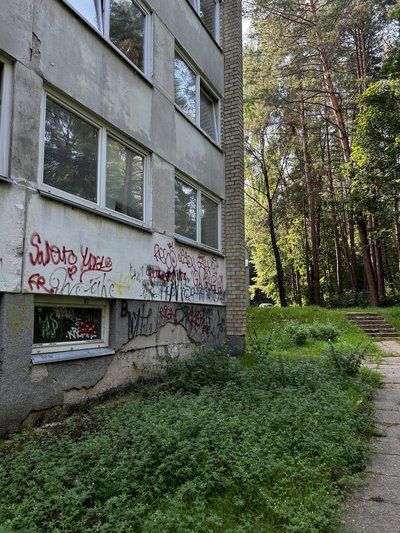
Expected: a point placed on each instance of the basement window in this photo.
(125, 24)
(195, 99)
(197, 215)
(5, 116)
(65, 325)
(86, 164)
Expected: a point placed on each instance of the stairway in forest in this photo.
(374, 325)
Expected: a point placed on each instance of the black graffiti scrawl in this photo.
(202, 324)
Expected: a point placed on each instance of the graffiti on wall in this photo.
(170, 274)
(202, 324)
(66, 324)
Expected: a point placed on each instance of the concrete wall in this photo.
(143, 334)
(165, 297)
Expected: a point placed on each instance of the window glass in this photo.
(208, 119)
(124, 180)
(185, 210)
(57, 324)
(90, 9)
(127, 28)
(1, 88)
(70, 152)
(185, 88)
(208, 15)
(209, 222)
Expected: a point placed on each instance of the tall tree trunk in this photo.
(344, 140)
(315, 272)
(272, 232)
(338, 261)
(397, 224)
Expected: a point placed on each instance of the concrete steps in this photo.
(374, 325)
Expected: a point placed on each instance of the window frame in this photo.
(196, 5)
(73, 346)
(201, 85)
(199, 193)
(104, 131)
(103, 6)
(5, 117)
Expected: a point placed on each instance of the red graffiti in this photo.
(166, 255)
(50, 253)
(196, 319)
(92, 262)
(39, 282)
(169, 275)
(168, 314)
(85, 328)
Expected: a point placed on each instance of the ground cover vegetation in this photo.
(322, 95)
(267, 443)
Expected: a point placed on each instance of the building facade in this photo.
(121, 194)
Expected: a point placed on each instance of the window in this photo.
(208, 11)
(195, 99)
(85, 163)
(5, 116)
(72, 324)
(123, 23)
(197, 215)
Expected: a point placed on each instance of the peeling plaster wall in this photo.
(142, 333)
(165, 298)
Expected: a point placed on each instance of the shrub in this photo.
(347, 358)
(297, 333)
(322, 331)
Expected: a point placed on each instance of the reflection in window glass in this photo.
(1, 88)
(185, 88)
(70, 152)
(209, 222)
(185, 210)
(208, 15)
(124, 180)
(90, 9)
(208, 119)
(127, 28)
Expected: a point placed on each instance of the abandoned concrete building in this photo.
(121, 193)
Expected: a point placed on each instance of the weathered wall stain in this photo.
(18, 318)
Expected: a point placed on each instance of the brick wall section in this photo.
(233, 145)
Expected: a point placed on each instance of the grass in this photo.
(269, 327)
(268, 443)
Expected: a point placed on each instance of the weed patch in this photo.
(265, 445)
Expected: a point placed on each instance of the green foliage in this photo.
(297, 333)
(267, 327)
(323, 331)
(266, 444)
(346, 359)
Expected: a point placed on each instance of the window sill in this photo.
(95, 211)
(71, 355)
(5, 178)
(199, 246)
(183, 114)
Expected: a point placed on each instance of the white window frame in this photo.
(197, 7)
(5, 116)
(72, 346)
(199, 193)
(103, 7)
(201, 85)
(104, 131)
